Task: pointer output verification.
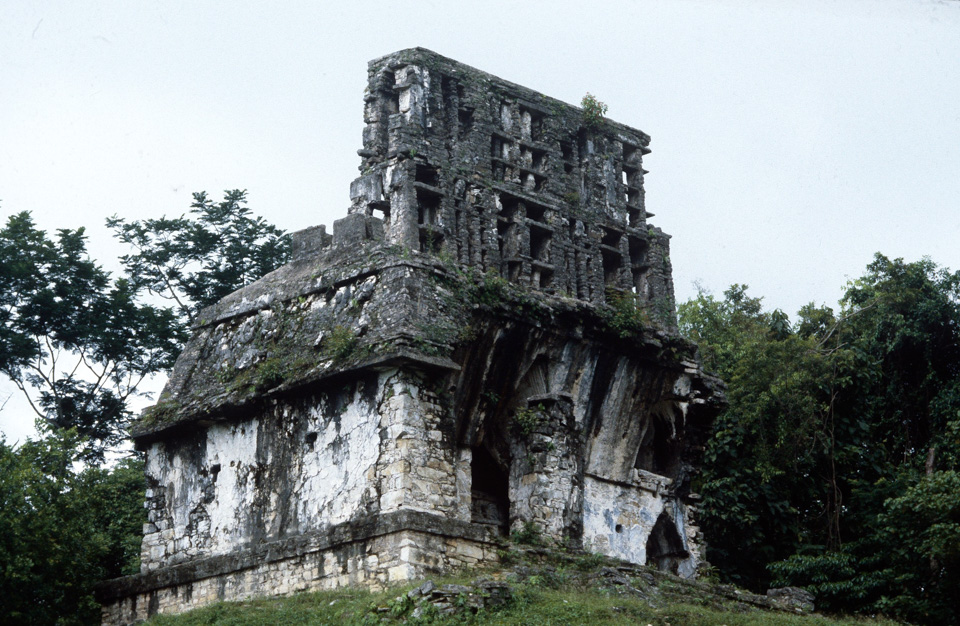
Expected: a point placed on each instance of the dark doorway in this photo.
(665, 546)
(490, 500)
(659, 450)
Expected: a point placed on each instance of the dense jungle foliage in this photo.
(834, 466)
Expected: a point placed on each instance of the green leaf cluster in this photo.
(340, 343)
(527, 420)
(79, 344)
(623, 313)
(593, 111)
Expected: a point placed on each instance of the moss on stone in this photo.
(163, 413)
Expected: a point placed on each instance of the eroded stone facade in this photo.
(486, 343)
(505, 179)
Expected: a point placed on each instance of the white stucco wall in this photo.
(331, 480)
(238, 482)
(607, 505)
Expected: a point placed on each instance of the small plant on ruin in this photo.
(340, 343)
(448, 260)
(432, 240)
(527, 420)
(491, 397)
(708, 573)
(593, 111)
(623, 314)
(492, 290)
(508, 557)
(528, 534)
(467, 332)
(589, 562)
(162, 412)
(226, 375)
(401, 606)
(269, 374)
(462, 602)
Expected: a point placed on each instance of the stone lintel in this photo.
(550, 398)
(648, 481)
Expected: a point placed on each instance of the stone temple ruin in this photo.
(487, 342)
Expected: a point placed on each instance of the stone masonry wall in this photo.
(546, 474)
(417, 469)
(618, 517)
(375, 563)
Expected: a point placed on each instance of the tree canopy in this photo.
(62, 529)
(76, 343)
(79, 344)
(194, 261)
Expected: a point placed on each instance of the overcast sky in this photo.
(791, 140)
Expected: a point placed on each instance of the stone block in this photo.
(400, 573)
(309, 241)
(473, 551)
(356, 229)
(367, 189)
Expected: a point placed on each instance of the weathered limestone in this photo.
(486, 343)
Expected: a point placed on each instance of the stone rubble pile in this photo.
(450, 599)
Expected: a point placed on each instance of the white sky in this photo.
(791, 140)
